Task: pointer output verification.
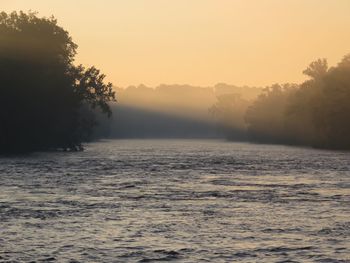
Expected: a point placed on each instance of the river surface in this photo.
(176, 201)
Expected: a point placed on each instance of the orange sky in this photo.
(200, 42)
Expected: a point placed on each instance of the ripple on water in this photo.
(176, 200)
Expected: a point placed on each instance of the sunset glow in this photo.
(201, 42)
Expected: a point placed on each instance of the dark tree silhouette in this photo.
(265, 118)
(314, 113)
(325, 100)
(45, 100)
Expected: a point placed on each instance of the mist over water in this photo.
(176, 200)
(172, 111)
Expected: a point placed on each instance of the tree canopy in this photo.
(314, 113)
(45, 99)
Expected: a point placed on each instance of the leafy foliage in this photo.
(314, 113)
(45, 100)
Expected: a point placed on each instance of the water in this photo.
(176, 200)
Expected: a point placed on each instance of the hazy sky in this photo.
(200, 42)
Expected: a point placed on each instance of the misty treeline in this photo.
(46, 101)
(314, 113)
(170, 111)
(182, 100)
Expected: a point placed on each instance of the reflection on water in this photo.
(177, 200)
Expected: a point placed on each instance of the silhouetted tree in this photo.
(266, 116)
(44, 97)
(315, 113)
(324, 100)
(317, 69)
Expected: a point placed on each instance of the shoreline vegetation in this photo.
(49, 103)
(314, 113)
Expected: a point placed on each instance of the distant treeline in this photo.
(169, 111)
(314, 113)
(180, 98)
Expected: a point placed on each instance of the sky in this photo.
(200, 42)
